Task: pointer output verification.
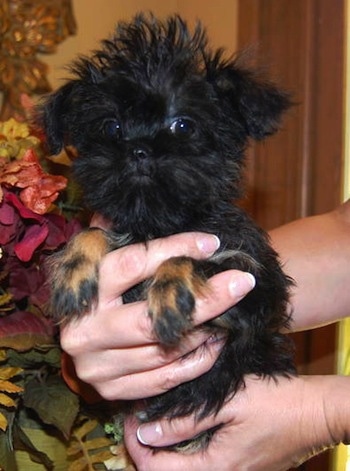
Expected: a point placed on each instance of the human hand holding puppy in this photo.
(276, 425)
(268, 425)
(113, 347)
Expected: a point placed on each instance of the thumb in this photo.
(171, 431)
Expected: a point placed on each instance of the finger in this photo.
(145, 458)
(168, 432)
(112, 327)
(160, 380)
(224, 290)
(125, 326)
(109, 364)
(137, 262)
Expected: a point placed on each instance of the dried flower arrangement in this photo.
(37, 408)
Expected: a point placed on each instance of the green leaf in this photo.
(116, 428)
(22, 442)
(7, 456)
(54, 403)
(50, 356)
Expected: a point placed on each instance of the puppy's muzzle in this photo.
(140, 151)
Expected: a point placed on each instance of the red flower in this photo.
(27, 239)
(28, 229)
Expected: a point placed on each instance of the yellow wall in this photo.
(342, 452)
(96, 20)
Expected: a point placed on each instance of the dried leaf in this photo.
(3, 422)
(7, 401)
(87, 427)
(93, 444)
(34, 237)
(39, 189)
(85, 451)
(23, 330)
(96, 443)
(62, 158)
(79, 464)
(120, 461)
(7, 372)
(101, 457)
(74, 448)
(5, 299)
(116, 464)
(11, 388)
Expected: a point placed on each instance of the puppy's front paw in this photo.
(171, 298)
(74, 274)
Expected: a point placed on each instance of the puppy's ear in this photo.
(51, 117)
(259, 103)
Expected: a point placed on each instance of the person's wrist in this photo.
(324, 413)
(313, 417)
(337, 408)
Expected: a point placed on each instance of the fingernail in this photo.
(149, 434)
(208, 243)
(241, 284)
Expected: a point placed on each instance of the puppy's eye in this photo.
(112, 129)
(184, 127)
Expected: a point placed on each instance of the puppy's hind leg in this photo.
(73, 274)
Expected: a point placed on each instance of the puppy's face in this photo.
(159, 125)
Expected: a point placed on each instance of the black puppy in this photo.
(159, 124)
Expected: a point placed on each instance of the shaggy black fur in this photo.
(160, 125)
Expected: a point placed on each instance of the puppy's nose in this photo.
(141, 152)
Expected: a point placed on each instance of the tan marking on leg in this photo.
(171, 298)
(74, 273)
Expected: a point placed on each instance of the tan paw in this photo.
(171, 298)
(74, 274)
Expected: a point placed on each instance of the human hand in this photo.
(272, 425)
(113, 347)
